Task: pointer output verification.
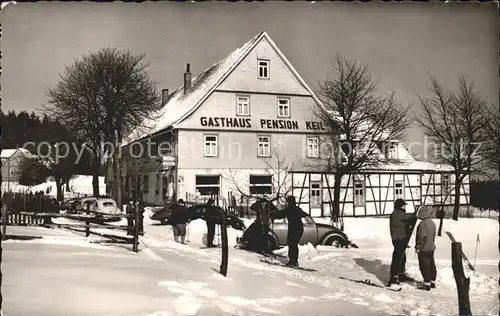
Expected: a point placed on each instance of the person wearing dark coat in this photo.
(178, 220)
(294, 215)
(262, 223)
(130, 212)
(401, 225)
(209, 218)
(141, 217)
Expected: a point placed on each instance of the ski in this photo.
(272, 255)
(205, 247)
(368, 282)
(280, 264)
(464, 257)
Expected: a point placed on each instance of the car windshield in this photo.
(309, 221)
(107, 204)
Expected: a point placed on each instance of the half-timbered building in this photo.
(228, 119)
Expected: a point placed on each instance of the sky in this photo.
(402, 43)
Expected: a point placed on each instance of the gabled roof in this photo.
(180, 105)
(7, 153)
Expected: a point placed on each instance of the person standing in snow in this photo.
(178, 221)
(130, 211)
(141, 210)
(401, 226)
(209, 218)
(425, 247)
(294, 215)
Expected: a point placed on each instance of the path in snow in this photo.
(70, 276)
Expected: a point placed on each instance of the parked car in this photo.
(162, 214)
(82, 203)
(314, 233)
(198, 211)
(69, 206)
(105, 206)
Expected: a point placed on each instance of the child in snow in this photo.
(425, 247)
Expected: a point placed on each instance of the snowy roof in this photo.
(7, 153)
(180, 105)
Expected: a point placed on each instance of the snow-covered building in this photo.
(221, 126)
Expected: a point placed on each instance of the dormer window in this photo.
(263, 69)
(391, 151)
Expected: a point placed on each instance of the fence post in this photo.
(462, 282)
(136, 228)
(5, 219)
(87, 223)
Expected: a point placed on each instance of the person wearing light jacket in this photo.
(425, 247)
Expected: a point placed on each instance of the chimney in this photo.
(187, 79)
(164, 96)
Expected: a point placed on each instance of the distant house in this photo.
(12, 162)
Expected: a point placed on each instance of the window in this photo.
(283, 107)
(264, 146)
(315, 193)
(399, 190)
(261, 184)
(263, 69)
(208, 185)
(210, 146)
(312, 147)
(145, 183)
(359, 193)
(242, 106)
(391, 151)
(157, 190)
(445, 183)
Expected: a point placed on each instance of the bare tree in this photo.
(278, 166)
(360, 123)
(104, 97)
(456, 121)
(492, 146)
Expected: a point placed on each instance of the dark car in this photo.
(199, 211)
(314, 233)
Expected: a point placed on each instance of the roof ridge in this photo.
(201, 86)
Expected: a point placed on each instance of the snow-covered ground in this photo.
(80, 185)
(167, 278)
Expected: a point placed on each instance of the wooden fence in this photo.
(38, 210)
